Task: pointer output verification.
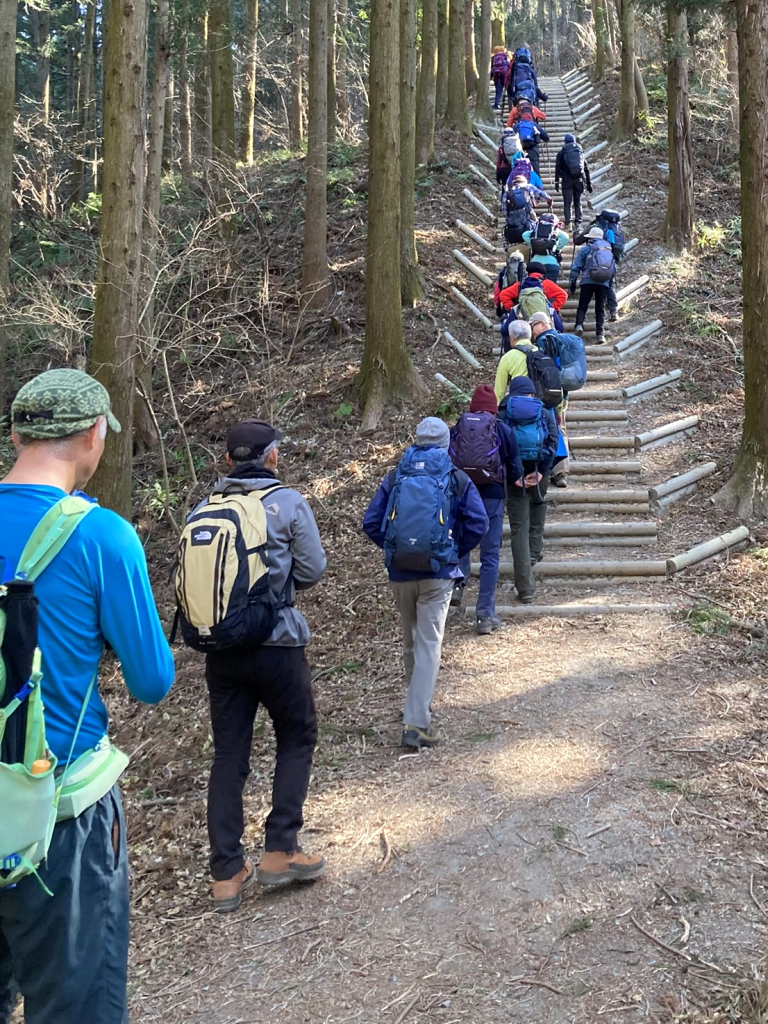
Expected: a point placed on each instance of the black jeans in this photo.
(600, 293)
(68, 953)
(238, 681)
(533, 156)
(573, 189)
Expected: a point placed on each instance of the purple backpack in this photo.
(499, 64)
(475, 448)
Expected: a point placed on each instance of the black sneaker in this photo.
(613, 315)
(413, 736)
(484, 627)
(457, 595)
(559, 480)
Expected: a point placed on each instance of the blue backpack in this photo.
(528, 133)
(521, 73)
(417, 530)
(523, 54)
(526, 417)
(526, 90)
(570, 356)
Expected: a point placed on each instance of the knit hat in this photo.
(521, 386)
(569, 138)
(540, 318)
(433, 431)
(484, 400)
(58, 403)
(595, 232)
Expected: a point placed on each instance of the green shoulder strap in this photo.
(51, 534)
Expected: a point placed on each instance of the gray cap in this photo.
(540, 318)
(433, 431)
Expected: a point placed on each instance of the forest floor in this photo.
(587, 843)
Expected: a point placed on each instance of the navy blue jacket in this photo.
(469, 524)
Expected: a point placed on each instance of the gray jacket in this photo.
(296, 556)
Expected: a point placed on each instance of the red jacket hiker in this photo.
(554, 293)
(514, 116)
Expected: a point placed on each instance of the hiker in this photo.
(258, 661)
(499, 69)
(546, 243)
(518, 201)
(64, 933)
(610, 223)
(531, 134)
(516, 362)
(508, 152)
(486, 450)
(597, 268)
(572, 169)
(542, 292)
(570, 357)
(521, 78)
(524, 110)
(514, 270)
(521, 167)
(427, 516)
(537, 440)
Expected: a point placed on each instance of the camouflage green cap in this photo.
(60, 402)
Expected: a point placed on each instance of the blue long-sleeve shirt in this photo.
(95, 590)
(468, 524)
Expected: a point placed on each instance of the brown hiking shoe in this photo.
(228, 895)
(278, 868)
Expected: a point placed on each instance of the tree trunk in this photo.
(540, 17)
(78, 177)
(426, 93)
(497, 32)
(443, 57)
(296, 126)
(222, 83)
(201, 114)
(457, 110)
(316, 284)
(170, 96)
(342, 93)
(732, 67)
(470, 63)
(411, 282)
(612, 42)
(483, 110)
(641, 95)
(746, 493)
(678, 227)
(248, 92)
(624, 126)
(598, 16)
(144, 427)
(115, 322)
(185, 106)
(8, 11)
(331, 74)
(555, 36)
(40, 22)
(385, 372)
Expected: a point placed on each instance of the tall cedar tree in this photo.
(201, 107)
(678, 227)
(295, 123)
(316, 282)
(116, 315)
(443, 57)
(426, 92)
(747, 491)
(386, 373)
(222, 82)
(483, 110)
(457, 110)
(248, 93)
(601, 33)
(7, 108)
(331, 74)
(411, 284)
(624, 126)
(470, 62)
(185, 101)
(342, 60)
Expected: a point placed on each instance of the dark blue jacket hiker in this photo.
(426, 515)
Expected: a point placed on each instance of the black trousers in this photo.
(238, 681)
(573, 189)
(533, 156)
(600, 293)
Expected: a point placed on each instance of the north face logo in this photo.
(204, 535)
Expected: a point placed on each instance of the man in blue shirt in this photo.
(65, 947)
(423, 595)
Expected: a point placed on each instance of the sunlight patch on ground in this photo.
(545, 766)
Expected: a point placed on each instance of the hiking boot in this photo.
(484, 627)
(413, 736)
(567, 225)
(613, 315)
(496, 622)
(457, 595)
(278, 868)
(559, 480)
(599, 339)
(526, 597)
(578, 329)
(228, 895)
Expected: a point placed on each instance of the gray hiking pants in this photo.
(423, 607)
(527, 511)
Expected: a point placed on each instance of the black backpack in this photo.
(610, 220)
(573, 158)
(544, 238)
(545, 375)
(519, 212)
